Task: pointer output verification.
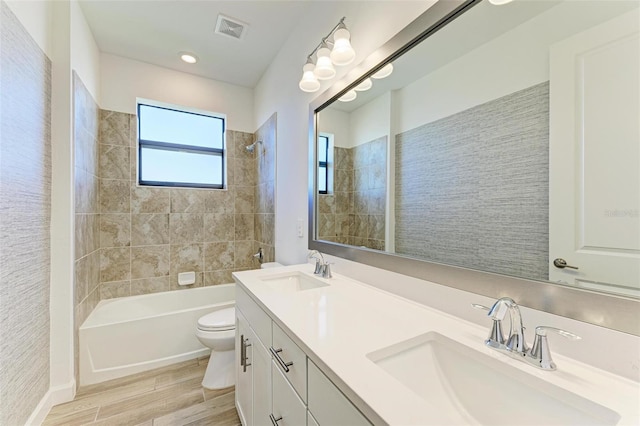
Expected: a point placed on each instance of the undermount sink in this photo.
(475, 388)
(292, 281)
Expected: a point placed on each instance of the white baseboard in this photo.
(54, 396)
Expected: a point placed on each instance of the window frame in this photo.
(173, 147)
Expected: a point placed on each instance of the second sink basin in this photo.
(292, 281)
(475, 388)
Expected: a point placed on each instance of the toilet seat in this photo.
(221, 320)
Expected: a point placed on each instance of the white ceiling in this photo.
(155, 31)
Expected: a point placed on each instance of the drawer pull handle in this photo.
(243, 353)
(285, 365)
(274, 421)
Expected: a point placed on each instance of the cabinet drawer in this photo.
(288, 409)
(292, 358)
(327, 404)
(259, 321)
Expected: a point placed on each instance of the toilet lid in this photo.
(221, 320)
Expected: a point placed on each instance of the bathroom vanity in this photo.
(340, 352)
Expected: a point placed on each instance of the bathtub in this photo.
(132, 334)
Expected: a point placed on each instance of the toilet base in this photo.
(220, 372)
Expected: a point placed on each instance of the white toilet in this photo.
(217, 331)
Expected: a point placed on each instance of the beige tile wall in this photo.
(87, 208)
(354, 213)
(264, 190)
(25, 210)
(148, 235)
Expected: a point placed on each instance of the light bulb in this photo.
(384, 71)
(309, 82)
(324, 68)
(342, 53)
(349, 96)
(366, 84)
(189, 58)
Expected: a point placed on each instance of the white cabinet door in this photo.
(261, 364)
(288, 408)
(327, 404)
(594, 157)
(244, 377)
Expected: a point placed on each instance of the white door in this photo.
(594, 161)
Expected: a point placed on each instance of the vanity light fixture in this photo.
(324, 68)
(349, 96)
(366, 84)
(342, 53)
(189, 58)
(383, 72)
(334, 49)
(499, 2)
(309, 82)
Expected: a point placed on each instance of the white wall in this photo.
(371, 121)
(36, 17)
(74, 48)
(337, 123)
(122, 80)
(514, 61)
(371, 25)
(85, 55)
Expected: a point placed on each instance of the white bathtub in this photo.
(132, 334)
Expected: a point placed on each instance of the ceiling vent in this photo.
(231, 27)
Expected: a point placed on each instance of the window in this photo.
(323, 164)
(178, 147)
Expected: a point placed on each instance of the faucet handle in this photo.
(480, 307)
(496, 337)
(543, 329)
(315, 254)
(540, 355)
(326, 270)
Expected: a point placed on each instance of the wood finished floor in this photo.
(168, 396)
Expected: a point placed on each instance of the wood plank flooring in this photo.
(168, 396)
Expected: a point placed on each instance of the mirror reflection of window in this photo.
(324, 142)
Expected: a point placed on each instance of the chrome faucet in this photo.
(322, 268)
(315, 254)
(515, 345)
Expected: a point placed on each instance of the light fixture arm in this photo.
(326, 40)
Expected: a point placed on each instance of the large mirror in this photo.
(508, 142)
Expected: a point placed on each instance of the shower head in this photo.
(252, 147)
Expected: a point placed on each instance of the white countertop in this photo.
(338, 325)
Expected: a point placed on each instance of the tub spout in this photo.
(259, 256)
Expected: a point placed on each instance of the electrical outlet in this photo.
(300, 228)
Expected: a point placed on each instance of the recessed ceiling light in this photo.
(189, 58)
